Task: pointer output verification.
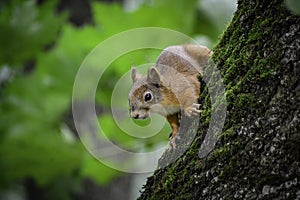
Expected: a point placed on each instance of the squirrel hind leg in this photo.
(174, 123)
(193, 110)
(172, 143)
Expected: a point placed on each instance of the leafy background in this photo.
(42, 44)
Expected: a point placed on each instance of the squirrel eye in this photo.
(148, 96)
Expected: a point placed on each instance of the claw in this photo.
(193, 111)
(197, 106)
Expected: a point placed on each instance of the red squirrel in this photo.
(170, 86)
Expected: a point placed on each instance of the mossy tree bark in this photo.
(257, 155)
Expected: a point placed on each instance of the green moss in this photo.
(228, 171)
(227, 134)
(221, 151)
(270, 180)
(244, 99)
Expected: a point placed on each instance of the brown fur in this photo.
(173, 84)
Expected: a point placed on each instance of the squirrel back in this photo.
(187, 59)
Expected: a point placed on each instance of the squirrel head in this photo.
(145, 93)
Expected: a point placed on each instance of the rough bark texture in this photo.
(257, 156)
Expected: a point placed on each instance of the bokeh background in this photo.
(42, 45)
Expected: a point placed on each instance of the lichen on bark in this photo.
(257, 154)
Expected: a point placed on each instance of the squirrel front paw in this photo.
(193, 110)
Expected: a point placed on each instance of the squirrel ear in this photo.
(134, 75)
(153, 76)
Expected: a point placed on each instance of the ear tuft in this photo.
(153, 76)
(134, 75)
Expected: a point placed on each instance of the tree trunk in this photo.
(257, 155)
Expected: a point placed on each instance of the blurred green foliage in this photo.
(293, 6)
(26, 29)
(36, 141)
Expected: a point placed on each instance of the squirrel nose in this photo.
(136, 116)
